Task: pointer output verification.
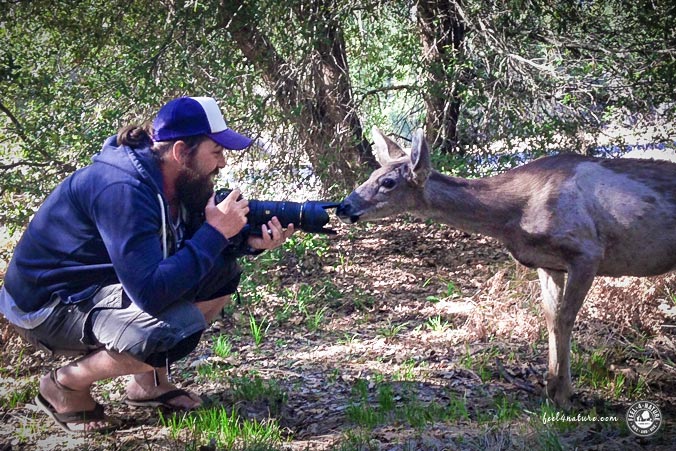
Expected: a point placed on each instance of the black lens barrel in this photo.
(310, 216)
(261, 211)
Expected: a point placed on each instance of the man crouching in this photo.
(109, 269)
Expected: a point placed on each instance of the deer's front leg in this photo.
(560, 313)
(552, 285)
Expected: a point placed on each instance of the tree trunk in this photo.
(319, 103)
(442, 32)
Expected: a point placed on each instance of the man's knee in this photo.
(170, 335)
(163, 345)
(180, 350)
(211, 308)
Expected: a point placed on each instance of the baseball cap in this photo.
(193, 116)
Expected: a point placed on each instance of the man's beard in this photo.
(194, 189)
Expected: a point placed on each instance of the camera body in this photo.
(309, 216)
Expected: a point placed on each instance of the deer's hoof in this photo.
(559, 391)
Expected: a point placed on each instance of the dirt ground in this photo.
(428, 309)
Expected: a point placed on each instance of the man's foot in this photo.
(165, 395)
(72, 410)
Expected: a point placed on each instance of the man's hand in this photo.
(228, 217)
(273, 235)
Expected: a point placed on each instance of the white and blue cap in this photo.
(194, 116)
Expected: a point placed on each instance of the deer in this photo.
(569, 216)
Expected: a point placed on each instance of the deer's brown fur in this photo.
(569, 216)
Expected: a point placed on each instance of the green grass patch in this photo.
(593, 370)
(457, 408)
(309, 302)
(304, 244)
(480, 362)
(221, 429)
(357, 440)
(20, 393)
(407, 371)
(258, 329)
(451, 291)
(437, 324)
(222, 346)
(386, 404)
(390, 330)
(506, 410)
(252, 387)
(211, 372)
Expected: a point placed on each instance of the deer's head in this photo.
(396, 187)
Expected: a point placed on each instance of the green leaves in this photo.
(308, 77)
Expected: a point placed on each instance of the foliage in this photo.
(308, 78)
(546, 69)
(73, 72)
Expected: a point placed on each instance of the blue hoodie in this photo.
(105, 224)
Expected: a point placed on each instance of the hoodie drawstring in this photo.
(165, 248)
(165, 254)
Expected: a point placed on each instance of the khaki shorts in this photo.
(110, 320)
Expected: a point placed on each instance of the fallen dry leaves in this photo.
(379, 286)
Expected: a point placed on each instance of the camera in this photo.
(309, 216)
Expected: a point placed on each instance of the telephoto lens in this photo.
(310, 216)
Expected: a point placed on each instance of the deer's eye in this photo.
(388, 183)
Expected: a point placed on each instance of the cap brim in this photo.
(231, 140)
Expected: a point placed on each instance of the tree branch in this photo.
(19, 130)
(388, 88)
(17, 125)
(33, 164)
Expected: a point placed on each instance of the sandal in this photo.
(161, 400)
(65, 419)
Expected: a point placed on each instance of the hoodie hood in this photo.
(143, 165)
(138, 162)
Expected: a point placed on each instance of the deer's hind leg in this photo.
(561, 307)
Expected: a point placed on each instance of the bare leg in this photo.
(211, 309)
(142, 385)
(560, 321)
(79, 377)
(80, 374)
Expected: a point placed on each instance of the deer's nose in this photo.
(343, 209)
(345, 212)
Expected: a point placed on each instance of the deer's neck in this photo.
(481, 206)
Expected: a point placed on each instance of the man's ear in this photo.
(179, 152)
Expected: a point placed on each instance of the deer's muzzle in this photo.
(346, 213)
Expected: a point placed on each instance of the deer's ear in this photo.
(386, 150)
(420, 157)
